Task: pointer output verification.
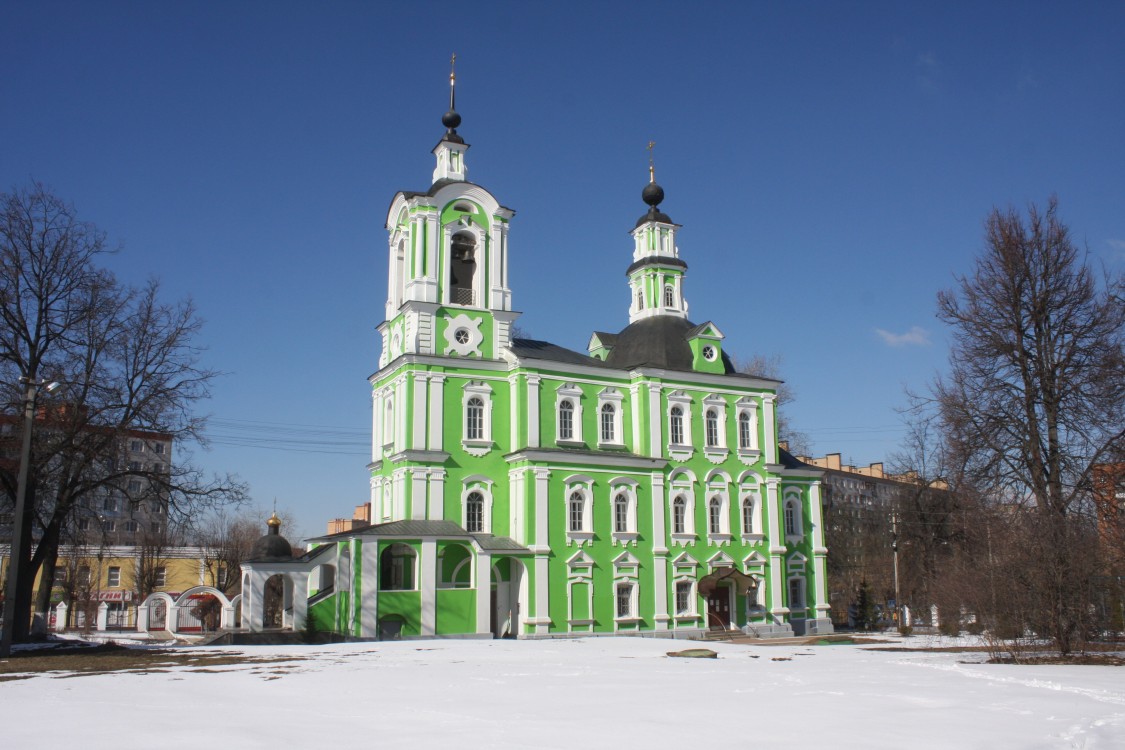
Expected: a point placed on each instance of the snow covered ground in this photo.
(598, 693)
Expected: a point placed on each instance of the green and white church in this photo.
(522, 489)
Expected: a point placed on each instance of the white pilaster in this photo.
(777, 549)
(436, 405)
(427, 583)
(655, 422)
(769, 427)
(369, 594)
(436, 501)
(418, 493)
(484, 592)
(421, 389)
(532, 412)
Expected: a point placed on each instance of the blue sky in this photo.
(831, 164)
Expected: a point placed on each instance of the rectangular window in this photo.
(113, 577)
(134, 485)
(683, 597)
(109, 526)
(110, 504)
(130, 527)
(83, 576)
(83, 524)
(160, 577)
(136, 446)
(134, 466)
(624, 600)
(159, 447)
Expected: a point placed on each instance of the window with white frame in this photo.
(715, 423)
(620, 513)
(610, 407)
(669, 296)
(113, 577)
(626, 607)
(576, 512)
(160, 577)
(792, 516)
(685, 597)
(715, 516)
(477, 406)
(389, 420)
(676, 425)
(749, 513)
(474, 418)
(474, 513)
(579, 509)
(796, 594)
(624, 497)
(680, 515)
(640, 300)
(747, 430)
(569, 410)
(711, 427)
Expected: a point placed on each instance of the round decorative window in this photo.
(461, 335)
(709, 353)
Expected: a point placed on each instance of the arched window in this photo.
(462, 266)
(640, 299)
(748, 515)
(669, 296)
(715, 515)
(577, 511)
(745, 433)
(621, 513)
(676, 425)
(474, 513)
(566, 420)
(711, 425)
(397, 568)
(792, 518)
(608, 420)
(474, 419)
(679, 515)
(389, 422)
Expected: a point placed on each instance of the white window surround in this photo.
(477, 446)
(579, 489)
(792, 518)
(754, 531)
(625, 598)
(718, 504)
(682, 484)
(684, 449)
(482, 486)
(580, 570)
(616, 399)
(572, 393)
(796, 596)
(684, 588)
(388, 418)
(715, 428)
(626, 488)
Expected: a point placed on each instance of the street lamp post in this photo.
(16, 549)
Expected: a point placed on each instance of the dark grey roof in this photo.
(698, 329)
(271, 548)
(491, 543)
(532, 349)
(439, 185)
(656, 260)
(789, 461)
(659, 341)
(653, 214)
(608, 339)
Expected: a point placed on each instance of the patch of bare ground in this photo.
(112, 658)
(1100, 654)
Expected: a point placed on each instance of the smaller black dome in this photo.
(451, 119)
(654, 215)
(272, 547)
(653, 194)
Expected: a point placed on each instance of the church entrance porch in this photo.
(719, 588)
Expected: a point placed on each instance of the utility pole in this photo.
(894, 549)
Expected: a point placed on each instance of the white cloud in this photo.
(916, 336)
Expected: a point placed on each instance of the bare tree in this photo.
(125, 361)
(1035, 396)
(770, 367)
(226, 540)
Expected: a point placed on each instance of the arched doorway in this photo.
(274, 601)
(509, 595)
(462, 267)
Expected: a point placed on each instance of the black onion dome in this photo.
(659, 341)
(272, 547)
(653, 194)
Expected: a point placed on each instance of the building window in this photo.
(610, 408)
(110, 504)
(113, 577)
(621, 513)
(684, 598)
(566, 420)
(83, 577)
(748, 515)
(389, 422)
(577, 511)
(679, 515)
(109, 526)
(676, 425)
(669, 296)
(744, 433)
(711, 423)
(624, 600)
(608, 423)
(474, 513)
(134, 485)
(715, 516)
(640, 300)
(474, 419)
(793, 521)
(796, 594)
(160, 577)
(134, 466)
(136, 446)
(159, 448)
(397, 568)
(83, 524)
(130, 527)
